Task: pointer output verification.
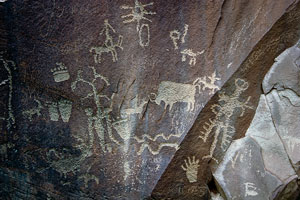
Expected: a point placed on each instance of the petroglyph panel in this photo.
(138, 14)
(109, 45)
(98, 131)
(191, 168)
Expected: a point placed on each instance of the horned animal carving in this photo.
(171, 92)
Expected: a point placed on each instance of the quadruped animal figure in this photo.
(171, 92)
(109, 46)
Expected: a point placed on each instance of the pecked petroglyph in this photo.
(190, 53)
(60, 73)
(154, 151)
(62, 108)
(175, 36)
(208, 83)
(126, 123)
(234, 159)
(63, 161)
(191, 169)
(222, 122)
(4, 82)
(178, 37)
(137, 14)
(137, 108)
(171, 92)
(291, 142)
(250, 189)
(144, 27)
(89, 177)
(100, 118)
(53, 111)
(9, 66)
(109, 45)
(33, 111)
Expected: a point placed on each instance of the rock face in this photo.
(242, 175)
(274, 128)
(258, 165)
(99, 94)
(263, 131)
(284, 101)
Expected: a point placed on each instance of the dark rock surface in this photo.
(226, 117)
(98, 94)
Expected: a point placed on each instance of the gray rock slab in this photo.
(285, 110)
(262, 130)
(285, 71)
(242, 175)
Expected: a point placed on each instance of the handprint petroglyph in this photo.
(191, 169)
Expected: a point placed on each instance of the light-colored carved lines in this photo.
(157, 150)
(190, 53)
(60, 73)
(176, 36)
(137, 14)
(98, 120)
(171, 92)
(4, 82)
(62, 108)
(9, 66)
(209, 83)
(156, 137)
(152, 150)
(250, 189)
(109, 45)
(208, 127)
(222, 122)
(33, 111)
(191, 169)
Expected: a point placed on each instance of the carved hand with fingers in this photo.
(191, 169)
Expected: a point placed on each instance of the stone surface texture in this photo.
(242, 175)
(264, 169)
(239, 110)
(137, 99)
